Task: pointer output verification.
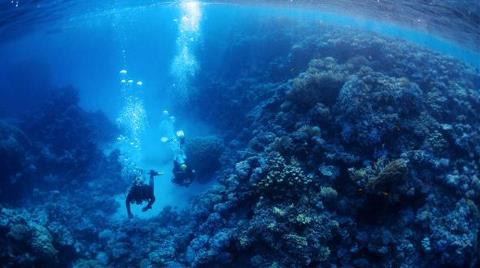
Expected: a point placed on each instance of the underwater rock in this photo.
(41, 243)
(203, 154)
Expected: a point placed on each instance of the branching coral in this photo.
(283, 180)
(392, 174)
(381, 177)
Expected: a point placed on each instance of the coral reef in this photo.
(15, 161)
(203, 154)
(320, 83)
(66, 138)
(53, 161)
(363, 128)
(281, 178)
(31, 242)
(353, 150)
(381, 178)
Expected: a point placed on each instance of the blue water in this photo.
(86, 50)
(318, 138)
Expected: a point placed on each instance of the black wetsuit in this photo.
(181, 176)
(140, 193)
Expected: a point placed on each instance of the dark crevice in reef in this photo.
(378, 211)
(339, 149)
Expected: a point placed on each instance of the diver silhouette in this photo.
(140, 192)
(183, 174)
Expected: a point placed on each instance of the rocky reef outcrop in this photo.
(351, 161)
(203, 154)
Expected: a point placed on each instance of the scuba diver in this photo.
(182, 173)
(140, 192)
